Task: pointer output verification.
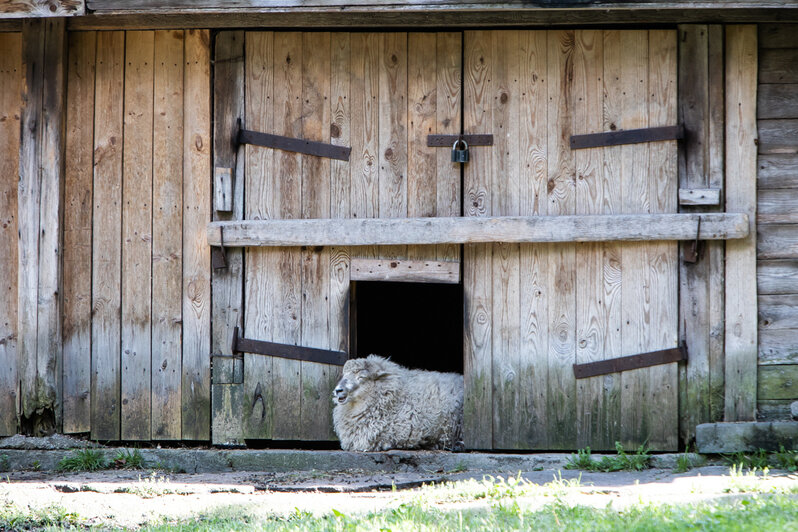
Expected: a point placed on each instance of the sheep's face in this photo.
(358, 374)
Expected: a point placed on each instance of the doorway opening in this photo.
(417, 325)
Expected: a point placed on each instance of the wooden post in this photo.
(227, 285)
(41, 189)
(700, 284)
(741, 300)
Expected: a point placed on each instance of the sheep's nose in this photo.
(338, 391)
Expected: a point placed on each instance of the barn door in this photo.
(380, 94)
(533, 310)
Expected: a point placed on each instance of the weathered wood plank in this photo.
(107, 238)
(777, 100)
(197, 177)
(137, 236)
(227, 284)
(773, 410)
(777, 206)
(227, 424)
(778, 36)
(699, 196)
(777, 276)
(505, 60)
(41, 8)
(741, 132)
(77, 231)
(287, 192)
(317, 379)
(779, 346)
(777, 382)
(448, 121)
(477, 285)
(778, 136)
(260, 278)
(402, 231)
(167, 242)
(10, 111)
(531, 372)
(778, 312)
(414, 271)
(778, 65)
(778, 171)
(561, 386)
(223, 189)
(777, 241)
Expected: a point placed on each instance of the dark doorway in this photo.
(417, 325)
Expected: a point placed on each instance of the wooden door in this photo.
(533, 310)
(381, 94)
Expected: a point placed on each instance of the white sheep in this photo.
(380, 405)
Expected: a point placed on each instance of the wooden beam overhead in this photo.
(41, 8)
(412, 231)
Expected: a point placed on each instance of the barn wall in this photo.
(136, 266)
(777, 218)
(10, 107)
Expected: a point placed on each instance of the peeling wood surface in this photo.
(41, 8)
(10, 114)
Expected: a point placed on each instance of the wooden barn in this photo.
(587, 207)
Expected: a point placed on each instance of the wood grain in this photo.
(137, 236)
(777, 171)
(107, 238)
(414, 271)
(778, 65)
(196, 378)
(778, 382)
(741, 132)
(10, 111)
(167, 239)
(776, 100)
(777, 346)
(778, 311)
(77, 232)
(777, 276)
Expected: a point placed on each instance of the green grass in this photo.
(621, 462)
(786, 459)
(52, 517)
(755, 460)
(83, 460)
(772, 513)
(126, 459)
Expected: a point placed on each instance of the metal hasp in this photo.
(294, 352)
(446, 141)
(643, 360)
(691, 254)
(627, 136)
(307, 147)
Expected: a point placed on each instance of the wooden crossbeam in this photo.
(456, 230)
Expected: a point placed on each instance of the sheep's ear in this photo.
(375, 367)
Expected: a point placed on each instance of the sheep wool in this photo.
(380, 405)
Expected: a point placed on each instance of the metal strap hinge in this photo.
(294, 352)
(643, 360)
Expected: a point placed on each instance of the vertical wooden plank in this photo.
(448, 122)
(596, 415)
(663, 404)
(561, 411)
(477, 285)
(365, 160)
(393, 105)
(340, 133)
(635, 295)
(227, 284)
(694, 163)
(741, 316)
(28, 197)
(259, 271)
(196, 378)
(137, 236)
(167, 238)
(107, 238)
(532, 371)
(317, 379)
(77, 232)
(10, 111)
(422, 101)
(505, 197)
(287, 374)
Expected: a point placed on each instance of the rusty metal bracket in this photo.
(441, 141)
(218, 256)
(307, 147)
(643, 360)
(627, 136)
(692, 254)
(294, 352)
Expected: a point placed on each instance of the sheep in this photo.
(380, 405)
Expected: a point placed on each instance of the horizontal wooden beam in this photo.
(699, 196)
(411, 271)
(406, 231)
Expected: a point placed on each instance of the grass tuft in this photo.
(755, 460)
(786, 459)
(127, 459)
(83, 460)
(621, 462)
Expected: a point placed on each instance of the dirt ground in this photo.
(133, 498)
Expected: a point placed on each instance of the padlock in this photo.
(460, 155)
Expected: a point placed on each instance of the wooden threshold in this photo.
(415, 271)
(457, 230)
